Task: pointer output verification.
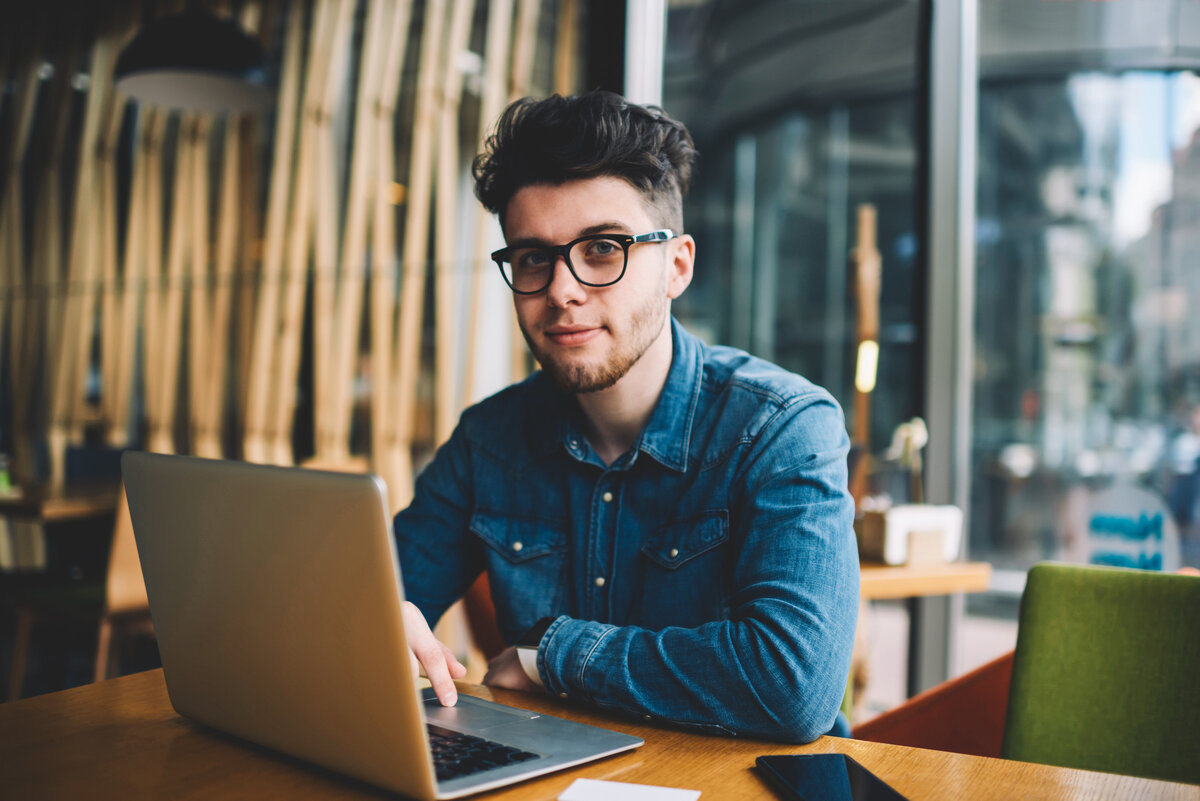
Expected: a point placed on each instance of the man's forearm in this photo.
(754, 676)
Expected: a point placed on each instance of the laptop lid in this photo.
(277, 607)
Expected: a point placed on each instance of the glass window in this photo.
(1086, 429)
(778, 206)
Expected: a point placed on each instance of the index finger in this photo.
(431, 655)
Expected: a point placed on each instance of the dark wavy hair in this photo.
(562, 139)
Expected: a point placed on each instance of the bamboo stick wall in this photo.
(237, 286)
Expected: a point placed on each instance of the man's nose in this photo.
(564, 287)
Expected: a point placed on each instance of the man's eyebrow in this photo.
(610, 227)
(607, 227)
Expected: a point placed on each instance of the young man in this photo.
(665, 525)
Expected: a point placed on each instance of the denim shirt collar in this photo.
(667, 436)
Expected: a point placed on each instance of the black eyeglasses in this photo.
(595, 260)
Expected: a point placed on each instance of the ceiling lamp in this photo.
(194, 60)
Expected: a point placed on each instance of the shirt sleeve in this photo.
(777, 667)
(438, 557)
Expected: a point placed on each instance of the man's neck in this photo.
(616, 416)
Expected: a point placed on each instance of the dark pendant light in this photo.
(194, 60)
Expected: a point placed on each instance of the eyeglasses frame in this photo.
(626, 241)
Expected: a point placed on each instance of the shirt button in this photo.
(672, 553)
(562, 695)
(599, 581)
(607, 497)
(517, 546)
(647, 717)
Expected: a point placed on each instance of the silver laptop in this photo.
(276, 596)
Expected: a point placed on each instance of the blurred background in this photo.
(302, 278)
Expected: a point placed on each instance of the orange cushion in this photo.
(964, 715)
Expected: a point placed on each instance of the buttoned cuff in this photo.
(567, 652)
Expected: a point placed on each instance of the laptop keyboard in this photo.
(456, 754)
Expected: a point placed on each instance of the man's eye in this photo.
(531, 259)
(602, 247)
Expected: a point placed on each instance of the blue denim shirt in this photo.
(708, 577)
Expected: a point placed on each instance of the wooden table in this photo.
(121, 739)
(883, 582)
(27, 514)
(50, 505)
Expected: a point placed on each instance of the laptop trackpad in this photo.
(472, 714)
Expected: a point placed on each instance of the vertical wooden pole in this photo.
(520, 85)
(327, 272)
(333, 440)
(243, 274)
(155, 275)
(324, 80)
(249, 264)
(266, 321)
(491, 103)
(79, 306)
(167, 354)
(416, 248)
(131, 276)
(566, 49)
(299, 239)
(211, 393)
(17, 299)
(41, 336)
(113, 289)
(138, 258)
(14, 284)
(98, 232)
(867, 273)
(525, 36)
(447, 318)
(386, 461)
(200, 293)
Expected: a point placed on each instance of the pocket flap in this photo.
(677, 543)
(519, 539)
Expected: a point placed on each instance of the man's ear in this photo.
(682, 259)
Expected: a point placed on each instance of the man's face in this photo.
(587, 338)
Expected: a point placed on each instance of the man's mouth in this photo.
(572, 335)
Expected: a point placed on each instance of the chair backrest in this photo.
(964, 715)
(1106, 674)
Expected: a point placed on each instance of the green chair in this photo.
(1106, 674)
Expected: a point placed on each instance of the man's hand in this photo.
(430, 657)
(506, 671)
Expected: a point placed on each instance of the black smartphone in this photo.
(824, 777)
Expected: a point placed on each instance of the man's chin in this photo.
(580, 379)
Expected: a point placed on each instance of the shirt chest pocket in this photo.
(526, 561)
(686, 572)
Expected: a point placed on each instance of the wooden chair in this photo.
(118, 604)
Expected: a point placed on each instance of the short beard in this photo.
(581, 380)
(645, 326)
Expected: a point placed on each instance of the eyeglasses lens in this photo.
(595, 262)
